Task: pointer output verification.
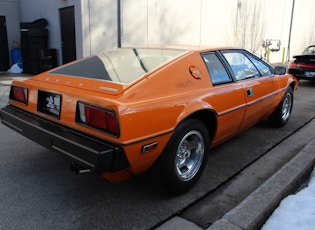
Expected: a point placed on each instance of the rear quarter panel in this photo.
(160, 101)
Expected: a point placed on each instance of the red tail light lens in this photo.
(308, 66)
(292, 64)
(19, 94)
(99, 118)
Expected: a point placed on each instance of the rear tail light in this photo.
(308, 66)
(292, 64)
(19, 94)
(295, 63)
(99, 118)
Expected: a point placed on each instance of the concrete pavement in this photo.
(253, 211)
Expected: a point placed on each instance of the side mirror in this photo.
(279, 70)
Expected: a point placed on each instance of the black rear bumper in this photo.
(302, 73)
(79, 148)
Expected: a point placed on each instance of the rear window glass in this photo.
(309, 50)
(122, 65)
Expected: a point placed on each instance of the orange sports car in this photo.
(121, 112)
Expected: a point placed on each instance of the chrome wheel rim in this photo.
(286, 107)
(189, 155)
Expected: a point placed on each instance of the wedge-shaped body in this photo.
(121, 112)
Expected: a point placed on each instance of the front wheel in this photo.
(184, 157)
(283, 112)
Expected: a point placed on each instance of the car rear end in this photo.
(303, 66)
(75, 110)
(63, 119)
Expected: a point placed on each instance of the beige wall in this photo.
(241, 23)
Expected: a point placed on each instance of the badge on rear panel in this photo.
(49, 103)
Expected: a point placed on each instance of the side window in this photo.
(241, 66)
(216, 70)
(263, 69)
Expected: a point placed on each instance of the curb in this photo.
(254, 210)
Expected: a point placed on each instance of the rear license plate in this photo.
(49, 103)
(309, 74)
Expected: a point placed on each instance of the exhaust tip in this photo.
(77, 169)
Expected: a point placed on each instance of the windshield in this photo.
(120, 65)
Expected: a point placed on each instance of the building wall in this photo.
(99, 25)
(32, 10)
(241, 23)
(303, 32)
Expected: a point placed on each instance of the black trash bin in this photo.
(33, 39)
(47, 59)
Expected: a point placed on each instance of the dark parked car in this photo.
(303, 66)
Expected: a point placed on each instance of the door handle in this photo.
(250, 92)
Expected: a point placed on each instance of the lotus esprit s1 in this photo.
(124, 111)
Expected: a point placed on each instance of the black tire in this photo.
(281, 115)
(188, 147)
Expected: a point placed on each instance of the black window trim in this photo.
(227, 67)
(224, 64)
(246, 53)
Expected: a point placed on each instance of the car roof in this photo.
(185, 47)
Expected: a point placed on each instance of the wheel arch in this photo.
(208, 117)
(293, 85)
